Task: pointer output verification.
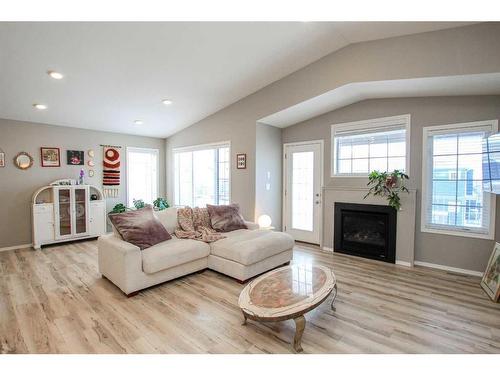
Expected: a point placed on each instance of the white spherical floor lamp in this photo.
(264, 221)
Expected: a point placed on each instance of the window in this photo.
(142, 174)
(364, 146)
(201, 175)
(453, 200)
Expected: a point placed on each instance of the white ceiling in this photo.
(116, 73)
(473, 84)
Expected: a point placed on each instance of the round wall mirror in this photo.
(23, 160)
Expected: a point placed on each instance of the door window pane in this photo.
(64, 212)
(80, 210)
(302, 190)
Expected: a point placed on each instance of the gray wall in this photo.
(465, 50)
(268, 170)
(17, 186)
(461, 252)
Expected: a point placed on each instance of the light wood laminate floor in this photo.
(54, 301)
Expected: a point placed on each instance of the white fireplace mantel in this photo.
(405, 228)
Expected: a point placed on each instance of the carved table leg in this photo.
(300, 324)
(334, 298)
(244, 323)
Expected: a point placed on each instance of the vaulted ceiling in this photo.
(117, 73)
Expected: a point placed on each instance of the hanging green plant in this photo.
(389, 185)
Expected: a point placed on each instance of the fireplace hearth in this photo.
(365, 230)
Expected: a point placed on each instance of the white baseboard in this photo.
(403, 263)
(447, 268)
(16, 247)
(329, 249)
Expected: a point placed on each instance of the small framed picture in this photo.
(50, 156)
(75, 157)
(241, 161)
(491, 278)
(2, 159)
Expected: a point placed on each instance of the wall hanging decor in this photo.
(23, 160)
(241, 161)
(75, 157)
(491, 277)
(2, 158)
(90, 153)
(111, 171)
(50, 156)
(91, 173)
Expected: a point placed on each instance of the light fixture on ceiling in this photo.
(166, 101)
(55, 75)
(138, 122)
(40, 106)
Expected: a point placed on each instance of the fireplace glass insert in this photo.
(365, 230)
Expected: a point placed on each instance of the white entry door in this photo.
(302, 206)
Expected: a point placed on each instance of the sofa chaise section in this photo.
(246, 253)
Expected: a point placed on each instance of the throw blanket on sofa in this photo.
(194, 223)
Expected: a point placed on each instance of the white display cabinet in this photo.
(64, 211)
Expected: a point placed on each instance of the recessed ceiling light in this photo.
(138, 122)
(166, 101)
(55, 75)
(40, 106)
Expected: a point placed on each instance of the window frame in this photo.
(143, 149)
(426, 160)
(382, 123)
(199, 147)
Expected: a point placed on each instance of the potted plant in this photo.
(160, 204)
(389, 185)
(119, 208)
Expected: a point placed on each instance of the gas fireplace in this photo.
(365, 230)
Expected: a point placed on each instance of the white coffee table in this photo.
(288, 293)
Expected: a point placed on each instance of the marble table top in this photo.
(287, 291)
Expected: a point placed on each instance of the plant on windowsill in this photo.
(119, 208)
(160, 204)
(389, 185)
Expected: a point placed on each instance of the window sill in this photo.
(484, 236)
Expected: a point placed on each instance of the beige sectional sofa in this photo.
(244, 253)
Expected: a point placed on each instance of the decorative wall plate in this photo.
(91, 173)
(91, 163)
(91, 153)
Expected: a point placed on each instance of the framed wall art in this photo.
(491, 278)
(2, 158)
(50, 156)
(75, 157)
(241, 161)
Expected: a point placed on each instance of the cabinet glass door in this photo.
(80, 210)
(64, 198)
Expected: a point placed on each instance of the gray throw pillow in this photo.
(140, 227)
(226, 218)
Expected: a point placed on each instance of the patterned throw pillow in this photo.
(226, 218)
(140, 227)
